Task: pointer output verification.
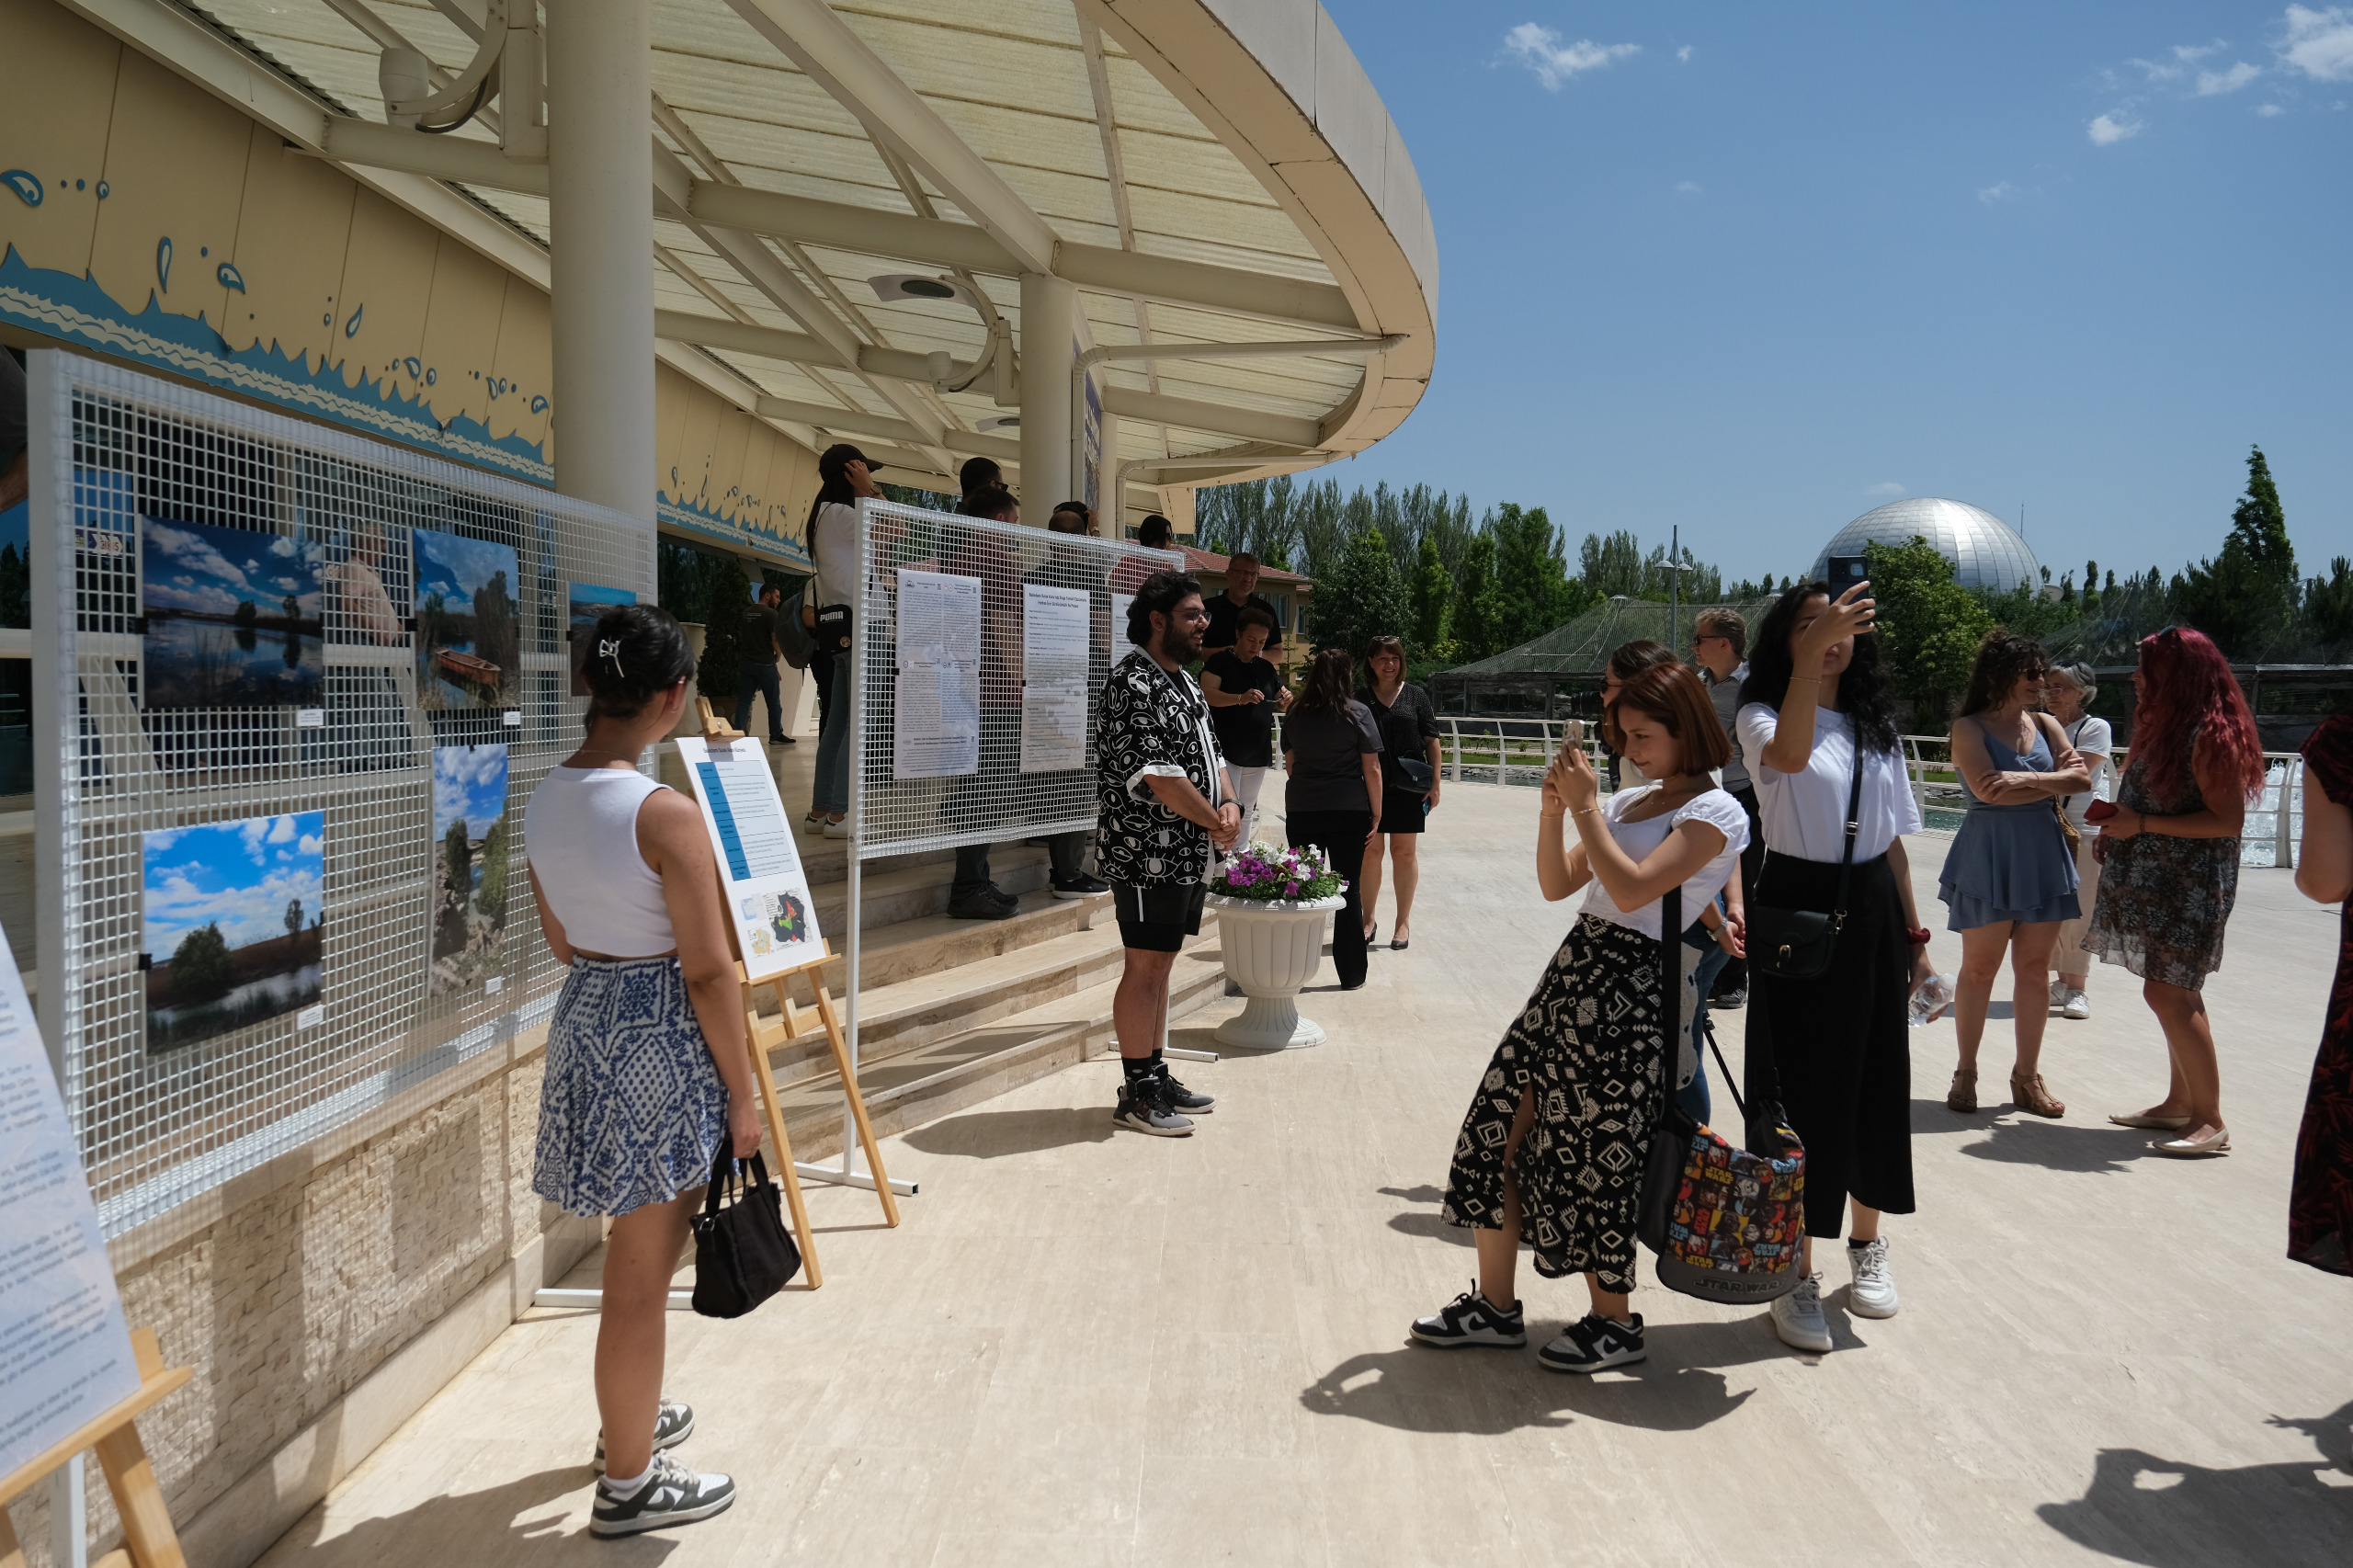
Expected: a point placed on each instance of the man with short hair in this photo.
(756, 670)
(1718, 647)
(1156, 532)
(1165, 800)
(978, 474)
(1241, 586)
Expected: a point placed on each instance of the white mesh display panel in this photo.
(996, 799)
(161, 1126)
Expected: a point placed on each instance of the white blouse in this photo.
(1638, 839)
(1805, 813)
(2096, 742)
(836, 553)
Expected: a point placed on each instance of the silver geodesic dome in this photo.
(1987, 553)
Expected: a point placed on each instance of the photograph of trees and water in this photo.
(235, 617)
(468, 626)
(234, 915)
(587, 602)
(469, 866)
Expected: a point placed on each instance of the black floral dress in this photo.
(1589, 1048)
(2162, 900)
(2320, 1203)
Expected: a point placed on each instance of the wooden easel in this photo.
(149, 1540)
(763, 1035)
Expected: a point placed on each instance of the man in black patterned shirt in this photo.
(1164, 799)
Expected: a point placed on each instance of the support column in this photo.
(1049, 310)
(1109, 512)
(600, 250)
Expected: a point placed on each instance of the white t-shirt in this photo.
(1805, 813)
(837, 550)
(1638, 839)
(2097, 742)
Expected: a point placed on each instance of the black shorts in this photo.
(1158, 919)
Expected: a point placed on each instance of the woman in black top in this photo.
(1332, 760)
(1244, 694)
(1408, 725)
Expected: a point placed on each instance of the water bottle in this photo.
(1930, 1000)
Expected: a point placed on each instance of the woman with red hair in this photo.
(2171, 866)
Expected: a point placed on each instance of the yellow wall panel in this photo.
(387, 283)
(523, 364)
(291, 239)
(461, 329)
(726, 496)
(669, 426)
(176, 168)
(57, 83)
(697, 442)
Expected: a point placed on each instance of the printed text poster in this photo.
(767, 888)
(938, 730)
(1054, 627)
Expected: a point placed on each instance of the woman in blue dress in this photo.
(2009, 880)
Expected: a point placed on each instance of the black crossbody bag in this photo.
(1796, 944)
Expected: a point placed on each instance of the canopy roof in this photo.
(1584, 645)
(1208, 172)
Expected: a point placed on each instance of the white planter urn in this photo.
(1272, 949)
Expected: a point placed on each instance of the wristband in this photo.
(1917, 935)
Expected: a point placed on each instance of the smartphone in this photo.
(1573, 733)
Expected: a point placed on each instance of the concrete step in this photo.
(888, 898)
(934, 942)
(961, 1069)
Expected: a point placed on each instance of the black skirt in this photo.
(1839, 1043)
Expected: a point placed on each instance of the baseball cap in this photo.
(835, 459)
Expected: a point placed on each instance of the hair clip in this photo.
(610, 648)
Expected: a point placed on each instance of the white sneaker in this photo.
(1872, 1295)
(2059, 992)
(2079, 1006)
(1797, 1317)
(837, 829)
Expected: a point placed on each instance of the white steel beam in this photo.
(1159, 408)
(848, 422)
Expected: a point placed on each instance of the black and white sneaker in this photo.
(1183, 1100)
(1079, 885)
(1595, 1342)
(1472, 1318)
(672, 1494)
(1144, 1105)
(673, 1425)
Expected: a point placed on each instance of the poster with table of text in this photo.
(768, 887)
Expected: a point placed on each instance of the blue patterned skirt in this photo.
(632, 1110)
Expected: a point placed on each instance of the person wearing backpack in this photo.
(1559, 1131)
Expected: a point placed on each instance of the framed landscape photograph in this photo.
(235, 617)
(587, 602)
(468, 623)
(232, 923)
(469, 883)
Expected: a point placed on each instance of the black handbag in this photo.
(1725, 1224)
(1796, 944)
(743, 1254)
(832, 632)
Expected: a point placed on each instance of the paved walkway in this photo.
(1083, 1348)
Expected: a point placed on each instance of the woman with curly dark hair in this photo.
(2009, 880)
(2170, 859)
(1819, 714)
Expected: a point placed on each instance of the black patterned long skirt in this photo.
(1588, 1047)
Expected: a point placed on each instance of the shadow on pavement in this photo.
(2141, 1509)
(992, 1134)
(468, 1527)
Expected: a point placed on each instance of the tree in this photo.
(1533, 594)
(730, 596)
(498, 628)
(1362, 598)
(491, 899)
(293, 918)
(1611, 566)
(2328, 603)
(202, 969)
(2244, 595)
(1473, 616)
(1433, 585)
(1931, 623)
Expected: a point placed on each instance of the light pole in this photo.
(1676, 564)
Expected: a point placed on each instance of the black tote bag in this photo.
(744, 1254)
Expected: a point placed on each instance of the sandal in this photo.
(1962, 1095)
(2031, 1095)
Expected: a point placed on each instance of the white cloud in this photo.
(2001, 190)
(282, 831)
(1684, 54)
(1886, 489)
(1540, 49)
(2213, 84)
(2319, 43)
(2110, 129)
(2267, 111)
(1689, 187)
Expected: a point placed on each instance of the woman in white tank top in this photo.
(648, 1075)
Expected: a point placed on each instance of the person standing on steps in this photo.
(1818, 726)
(1720, 647)
(1165, 800)
(845, 478)
(1409, 739)
(2069, 698)
(648, 1072)
(2169, 870)
(1244, 693)
(1559, 1129)
(756, 674)
(2009, 879)
(1332, 792)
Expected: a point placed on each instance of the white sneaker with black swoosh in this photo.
(670, 1494)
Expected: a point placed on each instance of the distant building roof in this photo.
(1268, 576)
(1583, 645)
(1985, 551)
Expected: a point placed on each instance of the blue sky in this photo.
(455, 566)
(238, 873)
(468, 781)
(195, 566)
(1754, 269)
